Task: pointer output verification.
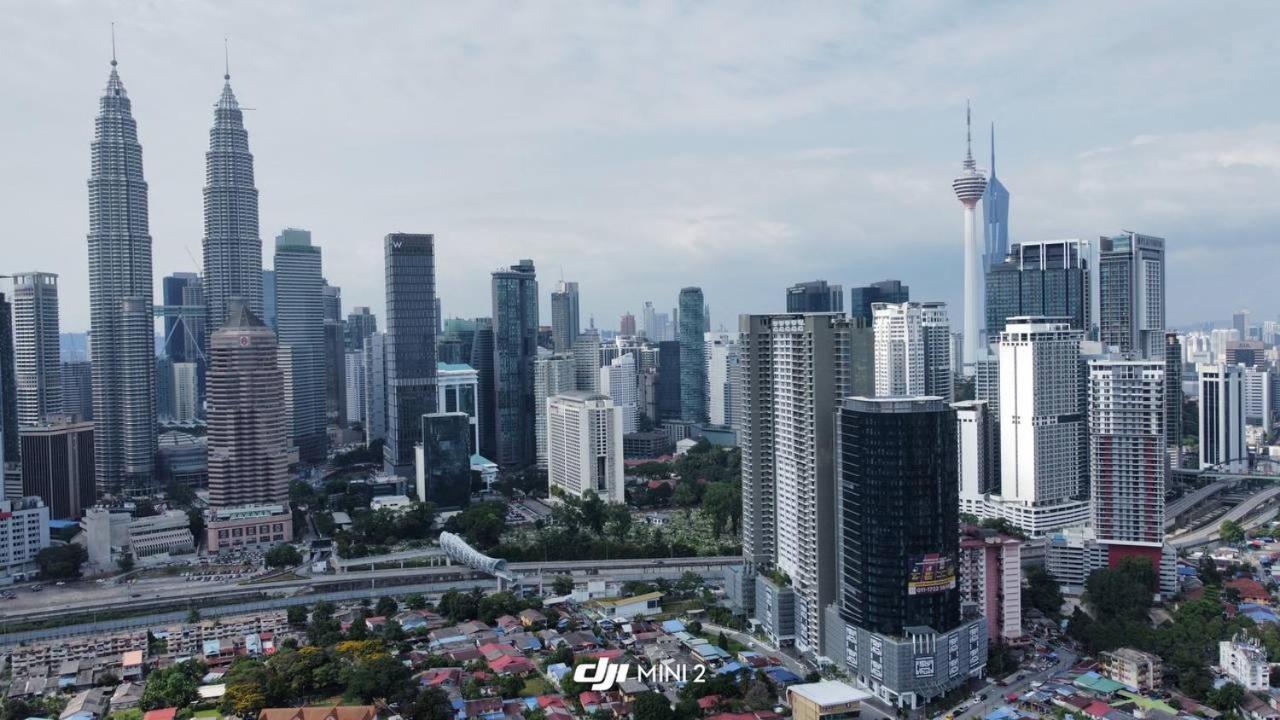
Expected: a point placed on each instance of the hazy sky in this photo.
(643, 146)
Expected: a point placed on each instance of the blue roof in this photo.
(63, 524)
(730, 668)
(558, 670)
(782, 675)
(478, 459)
(672, 626)
(453, 367)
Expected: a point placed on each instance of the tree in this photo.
(1208, 571)
(509, 686)
(193, 615)
(61, 562)
(415, 602)
(1226, 698)
(722, 502)
(1230, 531)
(722, 641)
(651, 706)
(174, 686)
(244, 700)
(1042, 591)
(195, 521)
(562, 585)
(379, 677)
(324, 629)
(386, 606)
(431, 704)
(297, 615)
(283, 555)
(125, 563)
(180, 494)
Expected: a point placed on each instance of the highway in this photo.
(1209, 533)
(1190, 500)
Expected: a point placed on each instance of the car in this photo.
(60, 583)
(1022, 676)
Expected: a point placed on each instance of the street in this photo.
(996, 694)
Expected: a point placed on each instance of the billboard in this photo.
(930, 574)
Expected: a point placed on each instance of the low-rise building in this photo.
(1137, 670)
(1244, 661)
(253, 525)
(629, 607)
(24, 532)
(826, 700)
(111, 533)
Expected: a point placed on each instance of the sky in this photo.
(640, 147)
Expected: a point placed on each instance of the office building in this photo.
(970, 186)
(120, 299)
(896, 626)
(693, 361)
(35, 342)
(552, 375)
(584, 446)
(991, 581)
(1042, 426)
(24, 532)
(183, 458)
(656, 326)
(618, 380)
(886, 291)
(815, 296)
(77, 389)
(794, 370)
(1173, 397)
(722, 361)
(1127, 455)
(458, 390)
(482, 361)
(1222, 419)
(1048, 278)
(184, 322)
(360, 325)
(564, 316)
(300, 328)
(356, 385)
(335, 373)
(8, 388)
(269, 298)
(410, 346)
(443, 459)
(586, 358)
(57, 467)
(1256, 394)
(1240, 321)
(912, 344)
(976, 441)
(110, 534)
(515, 343)
(627, 325)
(995, 218)
(375, 392)
(232, 245)
(1131, 288)
(248, 440)
(1249, 353)
(184, 402)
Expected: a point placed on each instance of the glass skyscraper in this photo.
(1040, 279)
(815, 296)
(885, 291)
(995, 217)
(300, 329)
(410, 346)
(693, 351)
(515, 345)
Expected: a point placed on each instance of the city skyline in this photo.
(622, 152)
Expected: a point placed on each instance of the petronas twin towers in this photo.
(120, 274)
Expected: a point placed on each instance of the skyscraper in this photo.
(356, 385)
(912, 350)
(693, 361)
(1041, 279)
(77, 389)
(375, 393)
(618, 380)
(627, 325)
(335, 372)
(935, 329)
(1222, 423)
(443, 459)
(269, 298)
(896, 625)
(885, 291)
(360, 324)
(411, 345)
(815, 296)
(969, 187)
(482, 361)
(248, 442)
(35, 325)
(667, 382)
(300, 329)
(564, 316)
(8, 390)
(1131, 288)
(184, 336)
(586, 360)
(584, 441)
(57, 467)
(515, 344)
(722, 360)
(1127, 455)
(995, 217)
(1173, 397)
(120, 299)
(795, 367)
(552, 375)
(977, 458)
(1042, 426)
(232, 245)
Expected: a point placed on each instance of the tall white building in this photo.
(552, 375)
(36, 362)
(975, 443)
(618, 381)
(969, 187)
(722, 357)
(1255, 390)
(1126, 450)
(1222, 417)
(186, 392)
(912, 350)
(356, 385)
(584, 445)
(1042, 426)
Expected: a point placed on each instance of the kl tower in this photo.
(969, 186)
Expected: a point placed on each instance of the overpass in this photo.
(1209, 534)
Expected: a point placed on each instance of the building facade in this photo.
(584, 441)
(375, 391)
(722, 361)
(564, 316)
(1127, 453)
(912, 348)
(356, 385)
(815, 296)
(1131, 289)
(24, 532)
(886, 291)
(1048, 278)
(693, 361)
(977, 459)
(410, 346)
(458, 390)
(515, 345)
(552, 375)
(1221, 409)
(300, 328)
(618, 380)
(443, 461)
(37, 361)
(57, 467)
(991, 582)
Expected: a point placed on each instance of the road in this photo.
(1190, 500)
(1209, 533)
(996, 694)
(789, 662)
